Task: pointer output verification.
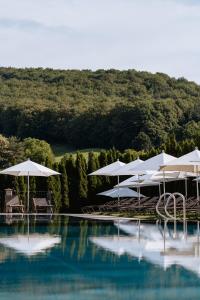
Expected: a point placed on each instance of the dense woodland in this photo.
(138, 113)
(121, 109)
(73, 188)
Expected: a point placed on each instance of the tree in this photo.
(102, 159)
(22, 186)
(70, 167)
(143, 142)
(56, 191)
(64, 186)
(92, 180)
(81, 170)
(53, 185)
(38, 150)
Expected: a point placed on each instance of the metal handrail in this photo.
(174, 198)
(168, 195)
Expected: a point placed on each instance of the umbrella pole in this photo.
(28, 194)
(164, 182)
(28, 227)
(139, 195)
(139, 188)
(186, 192)
(197, 184)
(118, 190)
(159, 190)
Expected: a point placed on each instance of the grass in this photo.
(60, 150)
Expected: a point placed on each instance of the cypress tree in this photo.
(70, 167)
(110, 157)
(32, 186)
(81, 170)
(64, 186)
(16, 184)
(49, 180)
(104, 181)
(127, 156)
(171, 145)
(53, 186)
(102, 158)
(56, 192)
(92, 180)
(22, 189)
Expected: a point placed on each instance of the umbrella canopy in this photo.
(109, 169)
(29, 168)
(131, 182)
(121, 192)
(30, 244)
(152, 178)
(153, 164)
(189, 162)
(128, 168)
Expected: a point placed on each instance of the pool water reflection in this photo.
(68, 258)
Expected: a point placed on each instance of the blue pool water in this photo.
(69, 258)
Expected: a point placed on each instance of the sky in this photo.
(151, 35)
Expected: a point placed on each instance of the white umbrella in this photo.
(109, 170)
(137, 183)
(151, 179)
(122, 192)
(189, 162)
(127, 169)
(152, 164)
(29, 168)
(31, 244)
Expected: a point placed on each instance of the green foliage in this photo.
(22, 186)
(37, 150)
(81, 171)
(11, 151)
(56, 191)
(143, 142)
(105, 108)
(64, 186)
(72, 179)
(93, 181)
(74, 188)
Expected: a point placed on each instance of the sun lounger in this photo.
(14, 205)
(41, 205)
(145, 203)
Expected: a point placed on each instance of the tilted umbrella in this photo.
(29, 168)
(122, 192)
(151, 179)
(134, 182)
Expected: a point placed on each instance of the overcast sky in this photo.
(152, 35)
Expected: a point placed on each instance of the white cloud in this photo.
(153, 35)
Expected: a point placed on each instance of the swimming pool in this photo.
(69, 258)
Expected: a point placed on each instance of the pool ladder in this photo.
(162, 207)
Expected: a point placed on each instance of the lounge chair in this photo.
(41, 204)
(14, 205)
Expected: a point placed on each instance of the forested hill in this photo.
(98, 109)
